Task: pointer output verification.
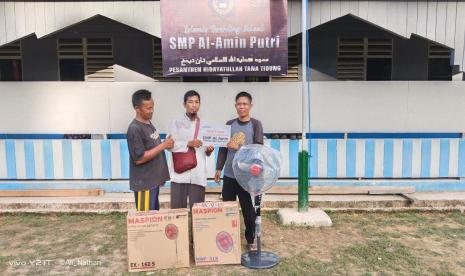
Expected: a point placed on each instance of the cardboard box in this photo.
(216, 231)
(157, 239)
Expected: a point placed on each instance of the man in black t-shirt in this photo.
(148, 169)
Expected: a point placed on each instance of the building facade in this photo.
(387, 90)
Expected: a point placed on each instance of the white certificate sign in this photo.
(215, 135)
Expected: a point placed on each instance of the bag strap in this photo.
(197, 126)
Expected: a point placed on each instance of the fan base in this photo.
(262, 260)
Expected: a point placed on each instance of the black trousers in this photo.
(231, 189)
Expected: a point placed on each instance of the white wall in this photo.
(84, 107)
(388, 106)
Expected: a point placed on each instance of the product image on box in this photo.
(157, 240)
(216, 231)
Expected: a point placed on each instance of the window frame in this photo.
(15, 55)
(364, 54)
(85, 56)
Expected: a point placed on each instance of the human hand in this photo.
(194, 143)
(217, 176)
(168, 143)
(209, 150)
(233, 145)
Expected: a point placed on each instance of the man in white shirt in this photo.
(189, 184)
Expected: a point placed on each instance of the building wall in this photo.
(329, 158)
(20, 18)
(410, 60)
(100, 108)
(39, 59)
(395, 106)
(441, 21)
(132, 51)
(357, 106)
(134, 58)
(410, 56)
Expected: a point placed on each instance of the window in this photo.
(10, 62)
(99, 56)
(158, 62)
(85, 59)
(364, 59)
(439, 62)
(71, 59)
(72, 69)
(293, 60)
(378, 69)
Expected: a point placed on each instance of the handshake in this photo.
(168, 143)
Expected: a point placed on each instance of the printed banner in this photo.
(224, 37)
(215, 135)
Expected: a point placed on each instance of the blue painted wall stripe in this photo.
(31, 136)
(331, 158)
(67, 159)
(403, 135)
(425, 158)
(369, 158)
(48, 159)
(124, 155)
(461, 170)
(331, 152)
(313, 156)
(117, 136)
(29, 159)
(350, 158)
(388, 169)
(275, 144)
(122, 186)
(10, 159)
(86, 158)
(444, 146)
(293, 158)
(323, 135)
(215, 152)
(407, 150)
(106, 158)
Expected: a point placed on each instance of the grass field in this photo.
(359, 243)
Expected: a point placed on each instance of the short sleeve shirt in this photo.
(142, 137)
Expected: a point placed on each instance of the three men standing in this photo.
(149, 169)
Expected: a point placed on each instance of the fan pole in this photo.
(259, 259)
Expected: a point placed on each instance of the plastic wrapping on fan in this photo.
(256, 168)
